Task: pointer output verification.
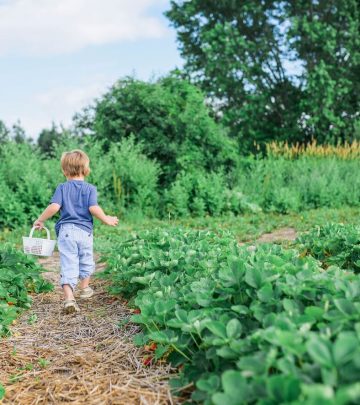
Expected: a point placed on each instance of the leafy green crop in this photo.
(19, 275)
(266, 326)
(333, 244)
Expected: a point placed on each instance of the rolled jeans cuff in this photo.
(72, 282)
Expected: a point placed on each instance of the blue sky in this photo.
(56, 56)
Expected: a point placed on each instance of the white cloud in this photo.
(57, 104)
(60, 104)
(42, 27)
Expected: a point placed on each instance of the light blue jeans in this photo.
(76, 254)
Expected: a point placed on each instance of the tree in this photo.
(169, 117)
(4, 132)
(325, 34)
(239, 52)
(48, 139)
(18, 133)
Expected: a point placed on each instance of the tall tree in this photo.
(240, 52)
(325, 34)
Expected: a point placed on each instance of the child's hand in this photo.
(111, 221)
(38, 224)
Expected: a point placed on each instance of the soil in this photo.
(283, 234)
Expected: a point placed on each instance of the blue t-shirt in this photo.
(75, 197)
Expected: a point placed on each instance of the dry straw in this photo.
(86, 358)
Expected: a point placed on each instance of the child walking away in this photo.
(77, 202)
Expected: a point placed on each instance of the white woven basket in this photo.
(38, 246)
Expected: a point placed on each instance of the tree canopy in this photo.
(169, 117)
(285, 70)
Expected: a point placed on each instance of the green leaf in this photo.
(319, 351)
(318, 392)
(348, 394)
(240, 309)
(314, 312)
(210, 384)
(217, 328)
(329, 376)
(234, 385)
(283, 388)
(253, 277)
(160, 351)
(165, 337)
(233, 329)
(181, 315)
(345, 306)
(345, 347)
(2, 392)
(266, 294)
(222, 399)
(140, 339)
(227, 353)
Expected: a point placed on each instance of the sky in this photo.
(57, 56)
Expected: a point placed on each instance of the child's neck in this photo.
(76, 178)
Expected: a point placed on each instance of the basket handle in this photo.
(33, 229)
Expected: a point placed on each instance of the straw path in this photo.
(86, 358)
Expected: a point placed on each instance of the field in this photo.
(239, 321)
(225, 171)
(234, 285)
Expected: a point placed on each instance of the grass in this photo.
(246, 227)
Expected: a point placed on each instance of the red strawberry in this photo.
(153, 346)
(147, 360)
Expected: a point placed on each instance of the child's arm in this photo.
(97, 212)
(49, 212)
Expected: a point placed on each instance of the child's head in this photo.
(75, 163)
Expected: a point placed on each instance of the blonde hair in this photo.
(75, 163)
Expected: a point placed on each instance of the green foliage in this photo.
(169, 117)
(19, 276)
(283, 185)
(129, 183)
(125, 178)
(240, 54)
(267, 327)
(49, 138)
(325, 37)
(24, 184)
(333, 244)
(135, 177)
(197, 193)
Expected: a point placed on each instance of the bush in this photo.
(197, 193)
(171, 120)
(135, 178)
(282, 185)
(19, 276)
(125, 178)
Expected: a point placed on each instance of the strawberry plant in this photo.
(333, 244)
(19, 276)
(269, 326)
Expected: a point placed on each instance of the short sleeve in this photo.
(93, 197)
(57, 197)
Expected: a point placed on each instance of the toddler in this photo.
(77, 202)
